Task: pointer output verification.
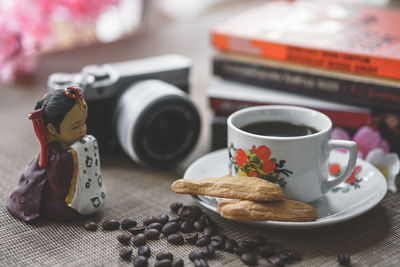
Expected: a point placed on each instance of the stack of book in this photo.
(339, 59)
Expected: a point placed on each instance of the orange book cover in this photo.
(356, 39)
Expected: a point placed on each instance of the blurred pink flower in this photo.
(365, 137)
(85, 10)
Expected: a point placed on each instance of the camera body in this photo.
(140, 105)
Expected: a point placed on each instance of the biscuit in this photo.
(236, 187)
(283, 210)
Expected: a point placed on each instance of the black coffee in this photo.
(278, 128)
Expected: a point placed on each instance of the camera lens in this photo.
(157, 124)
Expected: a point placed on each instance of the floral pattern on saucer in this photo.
(354, 180)
(257, 162)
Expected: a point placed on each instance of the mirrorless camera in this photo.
(141, 104)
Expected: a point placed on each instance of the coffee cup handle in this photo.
(352, 147)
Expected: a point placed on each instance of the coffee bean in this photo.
(295, 255)
(284, 255)
(128, 223)
(195, 255)
(344, 259)
(276, 261)
(192, 238)
(208, 251)
(199, 225)
(175, 206)
(203, 241)
(124, 239)
(139, 240)
(200, 263)
(155, 225)
(170, 228)
(163, 218)
(175, 239)
(110, 225)
(149, 220)
(177, 263)
(208, 221)
(230, 244)
(266, 251)
(164, 255)
(249, 258)
(90, 226)
(218, 241)
(186, 227)
(144, 251)
(189, 213)
(152, 234)
(238, 250)
(140, 261)
(260, 241)
(163, 263)
(137, 229)
(268, 265)
(125, 253)
(250, 245)
(209, 231)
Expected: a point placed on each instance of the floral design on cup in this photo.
(354, 179)
(257, 162)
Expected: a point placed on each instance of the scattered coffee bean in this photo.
(155, 225)
(177, 263)
(238, 250)
(152, 234)
(295, 255)
(268, 265)
(203, 241)
(218, 241)
(137, 229)
(163, 263)
(164, 255)
(344, 259)
(90, 226)
(175, 206)
(250, 245)
(170, 228)
(163, 218)
(208, 221)
(110, 225)
(266, 251)
(200, 263)
(175, 239)
(276, 261)
(192, 238)
(260, 241)
(284, 255)
(209, 231)
(144, 251)
(125, 253)
(124, 239)
(195, 255)
(140, 261)
(230, 244)
(149, 220)
(189, 213)
(186, 227)
(199, 225)
(208, 251)
(140, 240)
(128, 223)
(249, 258)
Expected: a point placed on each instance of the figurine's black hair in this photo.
(55, 105)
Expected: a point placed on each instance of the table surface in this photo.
(136, 191)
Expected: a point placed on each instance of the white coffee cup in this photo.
(298, 163)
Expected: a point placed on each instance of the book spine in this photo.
(334, 89)
(334, 60)
(347, 119)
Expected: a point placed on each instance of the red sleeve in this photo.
(59, 172)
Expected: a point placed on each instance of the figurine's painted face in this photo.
(72, 128)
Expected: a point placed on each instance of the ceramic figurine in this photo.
(64, 181)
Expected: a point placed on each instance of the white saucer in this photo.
(340, 204)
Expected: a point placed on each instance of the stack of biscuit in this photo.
(253, 199)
